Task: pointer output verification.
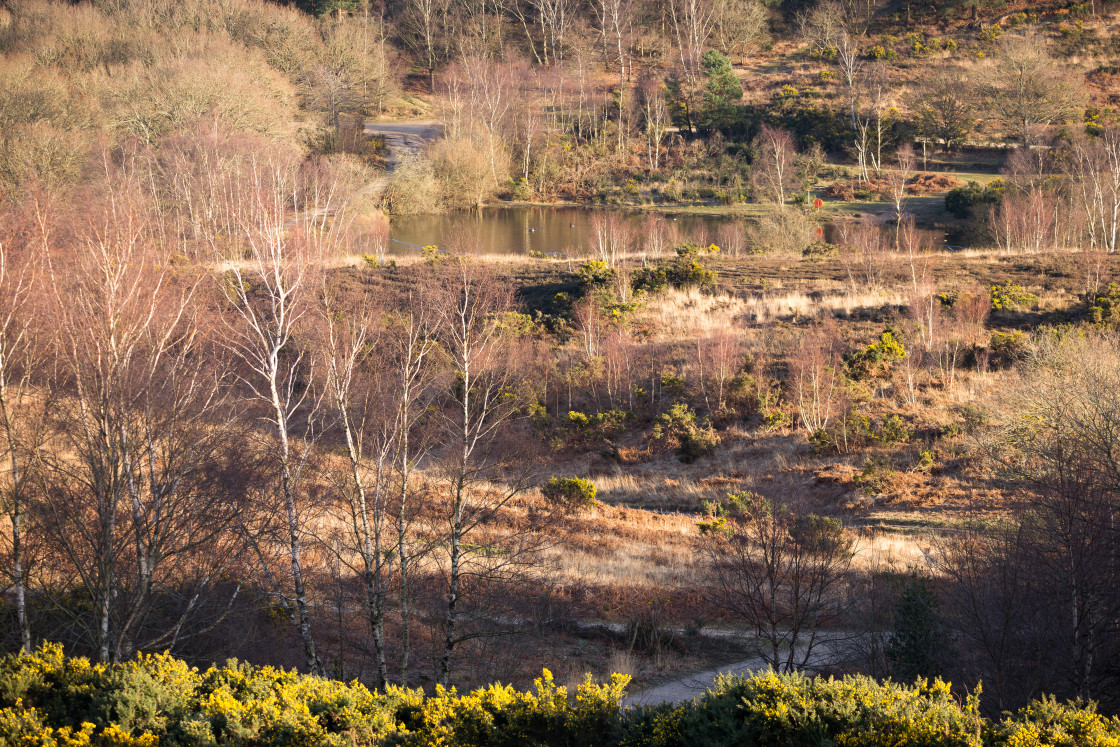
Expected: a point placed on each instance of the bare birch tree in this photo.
(288, 225)
(469, 302)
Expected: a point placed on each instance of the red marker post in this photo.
(818, 203)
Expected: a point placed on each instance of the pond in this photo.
(552, 230)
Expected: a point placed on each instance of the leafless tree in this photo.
(731, 236)
(737, 25)
(611, 238)
(692, 21)
(1025, 222)
(991, 602)
(1095, 166)
(849, 60)
(782, 573)
(959, 330)
(863, 253)
(358, 392)
(1062, 458)
(144, 417)
(775, 168)
(719, 358)
(914, 246)
(555, 18)
(24, 241)
(822, 24)
(817, 381)
(411, 335)
(946, 108)
(468, 303)
(655, 234)
(589, 325)
(655, 119)
(422, 21)
(898, 178)
(1026, 88)
(289, 225)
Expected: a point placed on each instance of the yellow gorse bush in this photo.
(49, 700)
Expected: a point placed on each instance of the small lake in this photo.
(548, 230)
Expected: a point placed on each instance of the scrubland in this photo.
(234, 424)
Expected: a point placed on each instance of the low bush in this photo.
(49, 700)
(876, 357)
(1105, 309)
(1009, 296)
(972, 199)
(1006, 348)
(595, 275)
(570, 492)
(693, 437)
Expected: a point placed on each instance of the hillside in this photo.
(809, 361)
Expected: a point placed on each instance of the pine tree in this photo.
(722, 92)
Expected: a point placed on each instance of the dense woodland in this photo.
(234, 423)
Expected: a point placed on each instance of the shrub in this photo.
(595, 275)
(692, 436)
(673, 386)
(413, 188)
(1010, 296)
(919, 643)
(1048, 723)
(972, 199)
(1105, 310)
(1006, 348)
(578, 421)
(48, 700)
(876, 357)
(570, 492)
(775, 709)
(578, 427)
(463, 171)
(649, 279)
(742, 502)
(894, 430)
(783, 232)
(686, 270)
(876, 476)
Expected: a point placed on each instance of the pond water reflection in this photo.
(561, 230)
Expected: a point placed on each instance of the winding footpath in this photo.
(402, 139)
(826, 653)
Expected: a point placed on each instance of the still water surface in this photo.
(519, 230)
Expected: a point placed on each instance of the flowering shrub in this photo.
(1010, 296)
(876, 357)
(48, 700)
(571, 492)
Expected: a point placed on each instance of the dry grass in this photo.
(676, 314)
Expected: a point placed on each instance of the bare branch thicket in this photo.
(775, 172)
(1025, 89)
(25, 237)
(692, 22)
(720, 358)
(144, 421)
(1054, 441)
(654, 118)
(864, 256)
(1095, 170)
(817, 378)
